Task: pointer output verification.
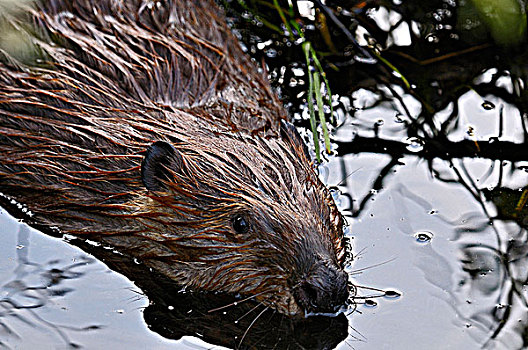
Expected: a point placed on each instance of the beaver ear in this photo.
(160, 162)
(288, 132)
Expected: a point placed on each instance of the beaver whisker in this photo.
(369, 288)
(235, 303)
(262, 303)
(251, 325)
(359, 271)
(360, 336)
(366, 297)
(354, 308)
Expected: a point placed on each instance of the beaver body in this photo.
(142, 125)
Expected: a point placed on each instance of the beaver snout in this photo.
(324, 290)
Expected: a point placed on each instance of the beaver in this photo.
(142, 125)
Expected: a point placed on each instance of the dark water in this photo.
(433, 181)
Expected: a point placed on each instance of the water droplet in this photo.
(414, 144)
(120, 311)
(423, 236)
(432, 38)
(335, 191)
(392, 294)
(366, 60)
(468, 325)
(488, 105)
(370, 303)
(493, 139)
(433, 212)
(271, 53)
(20, 246)
(379, 122)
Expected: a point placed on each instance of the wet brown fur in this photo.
(116, 76)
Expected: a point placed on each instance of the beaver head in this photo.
(242, 214)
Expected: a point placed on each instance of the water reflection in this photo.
(487, 223)
(51, 290)
(219, 319)
(465, 120)
(33, 285)
(54, 296)
(469, 279)
(480, 206)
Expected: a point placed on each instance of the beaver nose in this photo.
(324, 290)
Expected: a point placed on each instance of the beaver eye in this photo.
(240, 224)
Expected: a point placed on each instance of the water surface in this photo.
(432, 178)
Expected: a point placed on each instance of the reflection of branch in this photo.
(378, 184)
(503, 150)
(508, 285)
(366, 54)
(442, 57)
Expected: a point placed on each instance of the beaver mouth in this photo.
(323, 290)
